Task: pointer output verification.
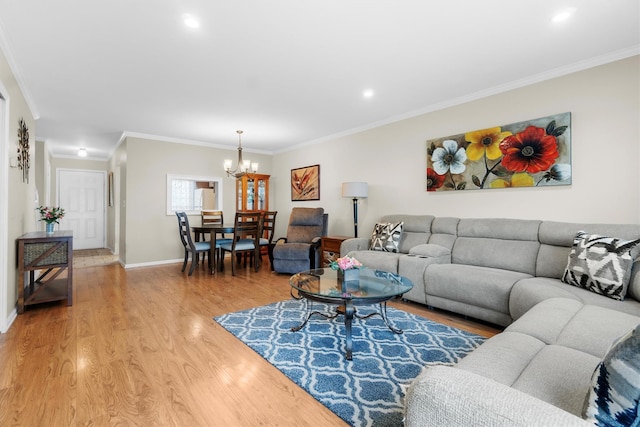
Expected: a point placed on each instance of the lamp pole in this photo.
(355, 217)
(355, 191)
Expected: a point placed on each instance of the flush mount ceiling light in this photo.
(190, 21)
(82, 152)
(368, 93)
(563, 15)
(245, 167)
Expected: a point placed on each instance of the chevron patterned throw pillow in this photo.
(601, 264)
(386, 237)
(615, 385)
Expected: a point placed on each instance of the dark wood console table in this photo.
(42, 258)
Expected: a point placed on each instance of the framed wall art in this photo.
(305, 183)
(24, 162)
(533, 153)
(110, 189)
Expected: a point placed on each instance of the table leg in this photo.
(383, 314)
(214, 252)
(383, 310)
(349, 310)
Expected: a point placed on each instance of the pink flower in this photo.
(347, 263)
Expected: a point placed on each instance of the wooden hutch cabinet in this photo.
(252, 193)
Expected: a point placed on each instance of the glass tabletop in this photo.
(371, 284)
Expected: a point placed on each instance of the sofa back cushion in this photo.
(509, 244)
(556, 240)
(444, 231)
(416, 229)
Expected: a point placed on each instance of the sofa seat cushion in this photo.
(480, 286)
(570, 323)
(377, 260)
(292, 251)
(555, 374)
(515, 350)
(551, 352)
(528, 292)
(560, 376)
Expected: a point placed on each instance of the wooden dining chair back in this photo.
(268, 226)
(266, 237)
(191, 247)
(246, 239)
(212, 217)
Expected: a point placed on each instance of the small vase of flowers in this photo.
(348, 268)
(50, 216)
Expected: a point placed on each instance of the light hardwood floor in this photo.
(139, 347)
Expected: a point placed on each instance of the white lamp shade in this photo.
(355, 190)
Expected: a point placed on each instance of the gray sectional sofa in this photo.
(507, 272)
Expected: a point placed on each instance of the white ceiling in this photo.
(287, 72)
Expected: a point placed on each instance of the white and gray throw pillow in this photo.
(601, 264)
(386, 236)
(615, 385)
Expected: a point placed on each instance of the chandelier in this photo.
(245, 167)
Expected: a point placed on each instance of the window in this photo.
(191, 194)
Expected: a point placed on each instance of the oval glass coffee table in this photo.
(369, 288)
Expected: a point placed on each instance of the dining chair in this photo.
(195, 248)
(212, 217)
(215, 217)
(268, 227)
(246, 239)
(266, 237)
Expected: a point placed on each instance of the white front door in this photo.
(81, 194)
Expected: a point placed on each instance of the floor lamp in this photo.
(355, 191)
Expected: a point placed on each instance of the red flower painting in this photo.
(434, 181)
(530, 151)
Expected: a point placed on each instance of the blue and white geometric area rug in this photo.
(368, 390)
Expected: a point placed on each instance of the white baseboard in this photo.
(150, 264)
(9, 321)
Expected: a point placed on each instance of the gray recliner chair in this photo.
(300, 250)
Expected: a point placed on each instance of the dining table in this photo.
(199, 232)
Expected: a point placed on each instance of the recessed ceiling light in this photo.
(563, 15)
(190, 21)
(368, 93)
(82, 152)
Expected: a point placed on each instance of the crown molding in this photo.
(495, 90)
(127, 134)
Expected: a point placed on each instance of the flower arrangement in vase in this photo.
(348, 268)
(50, 216)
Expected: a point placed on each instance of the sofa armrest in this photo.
(447, 396)
(354, 244)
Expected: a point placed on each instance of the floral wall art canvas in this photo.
(533, 153)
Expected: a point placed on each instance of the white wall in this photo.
(605, 107)
(149, 234)
(17, 204)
